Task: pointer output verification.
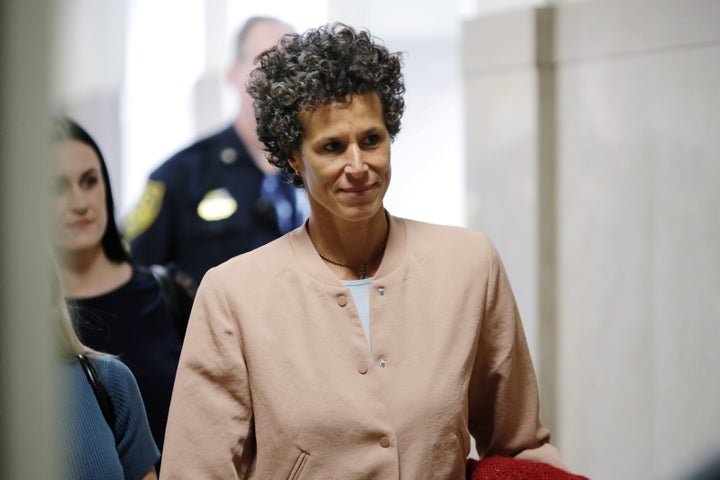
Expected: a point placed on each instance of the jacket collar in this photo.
(310, 261)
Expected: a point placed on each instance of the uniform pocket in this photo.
(297, 470)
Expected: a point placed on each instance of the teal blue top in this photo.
(92, 450)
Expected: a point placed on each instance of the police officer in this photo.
(218, 197)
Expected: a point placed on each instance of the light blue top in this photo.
(360, 290)
(92, 450)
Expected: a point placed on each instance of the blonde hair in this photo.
(72, 343)
(65, 320)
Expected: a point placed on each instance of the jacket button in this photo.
(342, 300)
(384, 441)
(362, 368)
(382, 363)
(381, 291)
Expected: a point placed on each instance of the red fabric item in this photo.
(508, 468)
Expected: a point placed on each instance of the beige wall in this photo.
(593, 162)
(509, 195)
(29, 398)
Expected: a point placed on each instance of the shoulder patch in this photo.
(147, 210)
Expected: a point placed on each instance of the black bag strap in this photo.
(101, 394)
(179, 307)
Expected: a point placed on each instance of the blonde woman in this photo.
(93, 448)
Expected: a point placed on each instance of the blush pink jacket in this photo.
(276, 379)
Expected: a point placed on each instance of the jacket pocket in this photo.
(297, 470)
(463, 438)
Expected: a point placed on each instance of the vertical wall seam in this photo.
(546, 138)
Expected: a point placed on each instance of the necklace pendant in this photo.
(361, 272)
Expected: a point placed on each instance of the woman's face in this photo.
(344, 158)
(78, 194)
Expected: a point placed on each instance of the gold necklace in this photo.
(361, 271)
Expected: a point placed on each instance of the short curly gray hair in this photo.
(314, 68)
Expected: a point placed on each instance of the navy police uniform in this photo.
(208, 203)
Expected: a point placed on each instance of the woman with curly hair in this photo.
(360, 345)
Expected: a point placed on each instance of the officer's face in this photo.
(80, 215)
(344, 159)
(262, 36)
